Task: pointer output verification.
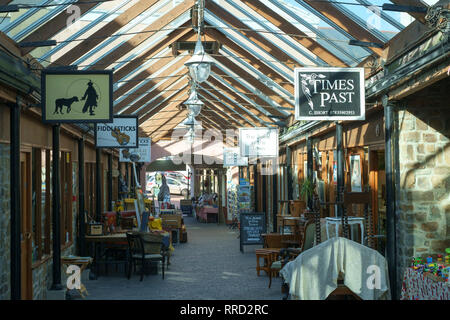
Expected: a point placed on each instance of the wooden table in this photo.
(115, 239)
(208, 214)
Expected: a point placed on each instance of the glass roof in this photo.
(271, 51)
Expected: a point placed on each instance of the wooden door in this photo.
(26, 236)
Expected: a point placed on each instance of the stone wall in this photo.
(42, 276)
(5, 219)
(422, 182)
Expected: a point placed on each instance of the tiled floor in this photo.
(208, 266)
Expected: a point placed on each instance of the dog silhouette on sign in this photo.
(60, 103)
(91, 97)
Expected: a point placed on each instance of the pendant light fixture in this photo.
(193, 103)
(200, 63)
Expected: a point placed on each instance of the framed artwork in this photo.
(355, 173)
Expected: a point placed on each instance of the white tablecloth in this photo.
(313, 274)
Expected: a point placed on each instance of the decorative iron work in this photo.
(438, 18)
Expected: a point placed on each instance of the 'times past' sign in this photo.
(329, 94)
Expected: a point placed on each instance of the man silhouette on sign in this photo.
(91, 100)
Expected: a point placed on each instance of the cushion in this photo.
(148, 256)
(276, 265)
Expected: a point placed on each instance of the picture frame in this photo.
(355, 173)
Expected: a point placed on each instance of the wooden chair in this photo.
(297, 207)
(276, 240)
(363, 198)
(342, 292)
(268, 255)
(308, 239)
(152, 250)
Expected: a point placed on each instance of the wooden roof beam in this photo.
(165, 103)
(226, 100)
(139, 38)
(143, 75)
(252, 60)
(173, 114)
(253, 36)
(54, 25)
(414, 3)
(223, 113)
(288, 28)
(152, 94)
(255, 83)
(107, 30)
(151, 52)
(346, 23)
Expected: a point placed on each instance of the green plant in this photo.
(307, 189)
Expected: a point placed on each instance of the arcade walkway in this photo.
(208, 266)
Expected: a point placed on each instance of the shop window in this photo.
(41, 203)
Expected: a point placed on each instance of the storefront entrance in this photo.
(377, 182)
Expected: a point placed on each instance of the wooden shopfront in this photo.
(363, 143)
(36, 157)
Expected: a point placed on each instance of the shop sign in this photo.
(252, 227)
(232, 158)
(144, 151)
(329, 94)
(258, 142)
(77, 96)
(121, 133)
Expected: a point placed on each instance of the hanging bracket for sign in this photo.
(329, 94)
(72, 96)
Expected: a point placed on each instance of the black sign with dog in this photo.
(77, 96)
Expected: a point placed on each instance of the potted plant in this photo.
(307, 190)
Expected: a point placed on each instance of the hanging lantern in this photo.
(193, 103)
(190, 135)
(199, 64)
(189, 121)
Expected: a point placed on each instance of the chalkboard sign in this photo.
(252, 226)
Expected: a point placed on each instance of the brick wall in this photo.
(423, 183)
(5, 219)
